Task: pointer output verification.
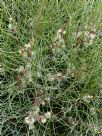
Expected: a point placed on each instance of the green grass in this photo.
(67, 72)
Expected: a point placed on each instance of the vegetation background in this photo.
(51, 62)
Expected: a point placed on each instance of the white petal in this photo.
(31, 126)
(29, 120)
(10, 26)
(10, 19)
(43, 119)
(48, 114)
(27, 45)
(59, 31)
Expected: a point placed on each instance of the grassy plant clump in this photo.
(51, 68)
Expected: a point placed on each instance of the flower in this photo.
(43, 102)
(43, 119)
(47, 99)
(64, 32)
(26, 52)
(27, 45)
(48, 115)
(71, 120)
(10, 26)
(20, 69)
(37, 117)
(25, 55)
(54, 76)
(87, 98)
(20, 51)
(92, 110)
(38, 102)
(30, 120)
(10, 19)
(89, 37)
(58, 40)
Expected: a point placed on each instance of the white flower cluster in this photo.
(86, 36)
(71, 120)
(89, 37)
(58, 41)
(26, 51)
(53, 77)
(26, 54)
(12, 25)
(24, 76)
(46, 116)
(92, 110)
(35, 116)
(87, 98)
(30, 120)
